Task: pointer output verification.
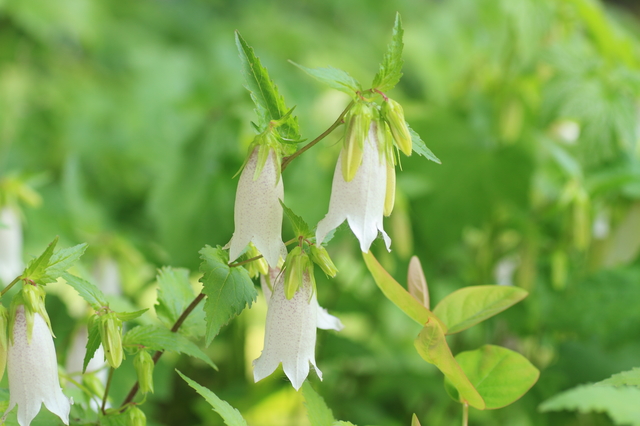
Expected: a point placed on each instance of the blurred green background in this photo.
(130, 119)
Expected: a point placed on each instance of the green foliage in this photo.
(50, 265)
(230, 415)
(228, 290)
(621, 404)
(500, 376)
(317, 411)
(93, 343)
(432, 346)
(420, 148)
(269, 103)
(470, 305)
(391, 67)
(160, 339)
(334, 78)
(626, 378)
(300, 227)
(175, 294)
(86, 290)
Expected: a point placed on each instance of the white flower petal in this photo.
(360, 201)
(258, 213)
(10, 245)
(290, 335)
(326, 321)
(33, 372)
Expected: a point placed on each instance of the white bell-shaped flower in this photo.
(32, 368)
(258, 212)
(10, 245)
(290, 335)
(361, 200)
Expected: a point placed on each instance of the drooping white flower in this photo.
(290, 335)
(10, 245)
(32, 368)
(361, 200)
(258, 214)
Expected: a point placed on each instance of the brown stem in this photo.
(287, 160)
(244, 262)
(158, 354)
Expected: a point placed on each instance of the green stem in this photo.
(158, 354)
(465, 414)
(106, 390)
(11, 284)
(287, 160)
(244, 262)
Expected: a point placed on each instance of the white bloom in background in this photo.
(32, 368)
(10, 245)
(505, 269)
(290, 335)
(258, 214)
(361, 200)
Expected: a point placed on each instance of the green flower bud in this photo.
(294, 266)
(394, 115)
(4, 320)
(111, 336)
(358, 122)
(257, 267)
(320, 256)
(143, 363)
(136, 417)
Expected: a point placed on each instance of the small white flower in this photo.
(361, 200)
(258, 213)
(32, 368)
(10, 245)
(290, 335)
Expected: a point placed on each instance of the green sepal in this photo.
(358, 122)
(390, 70)
(293, 270)
(143, 364)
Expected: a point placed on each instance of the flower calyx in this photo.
(393, 115)
(357, 120)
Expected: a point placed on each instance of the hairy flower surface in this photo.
(32, 368)
(258, 212)
(361, 200)
(10, 245)
(290, 335)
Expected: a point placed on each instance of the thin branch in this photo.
(158, 354)
(106, 390)
(287, 160)
(11, 284)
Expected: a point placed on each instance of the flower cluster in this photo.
(363, 192)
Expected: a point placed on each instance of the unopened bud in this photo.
(394, 114)
(320, 256)
(358, 121)
(143, 363)
(92, 382)
(258, 266)
(4, 320)
(136, 417)
(111, 336)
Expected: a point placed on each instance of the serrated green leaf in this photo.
(432, 346)
(334, 78)
(130, 316)
(36, 267)
(300, 227)
(160, 339)
(88, 291)
(269, 103)
(621, 404)
(500, 376)
(470, 305)
(420, 148)
(175, 294)
(626, 378)
(230, 415)
(115, 419)
(391, 67)
(228, 290)
(317, 411)
(342, 423)
(397, 294)
(93, 343)
(60, 261)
